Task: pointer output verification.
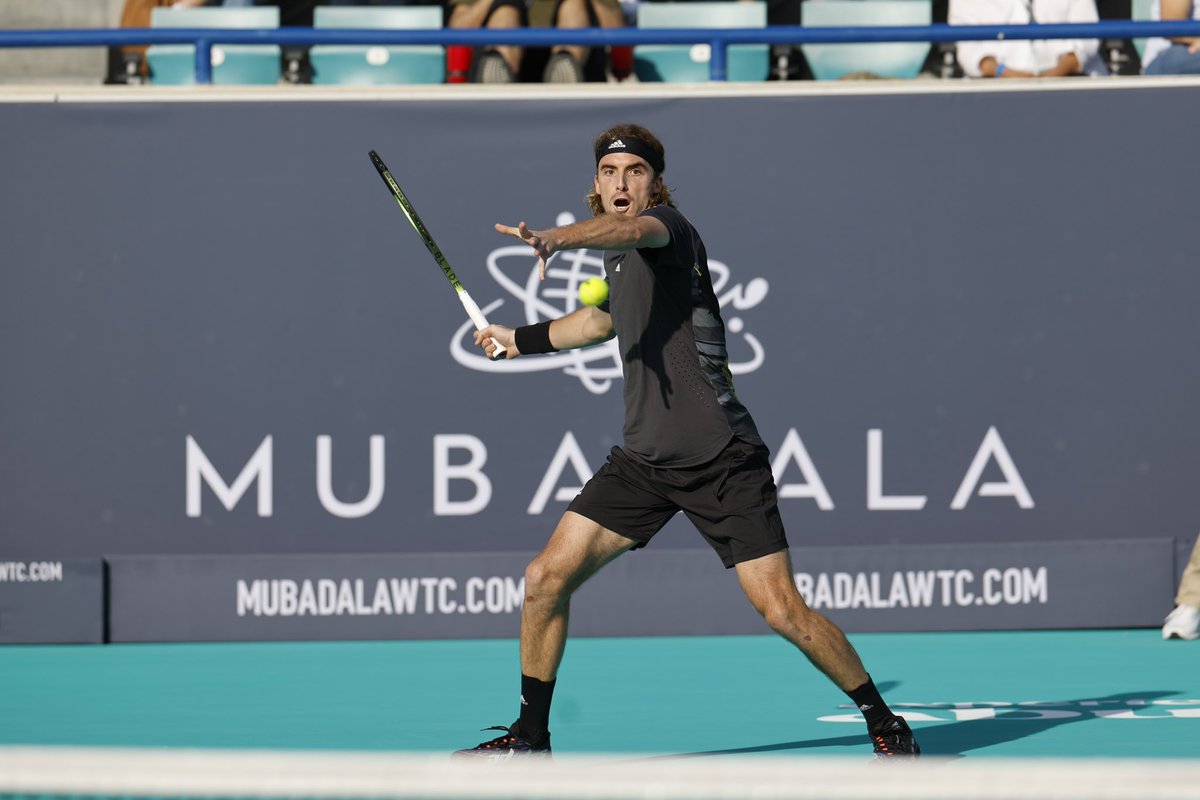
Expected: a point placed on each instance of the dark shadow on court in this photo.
(958, 738)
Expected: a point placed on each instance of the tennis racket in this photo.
(472, 309)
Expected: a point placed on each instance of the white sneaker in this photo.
(1182, 623)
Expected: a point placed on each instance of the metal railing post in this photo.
(718, 65)
(204, 61)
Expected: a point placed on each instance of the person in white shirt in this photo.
(1179, 55)
(1027, 58)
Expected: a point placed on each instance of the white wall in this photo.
(69, 65)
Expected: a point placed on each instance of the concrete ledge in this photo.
(68, 93)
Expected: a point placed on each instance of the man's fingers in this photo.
(522, 232)
(530, 238)
(485, 340)
(494, 336)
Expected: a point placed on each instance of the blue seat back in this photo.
(1140, 12)
(175, 64)
(372, 65)
(691, 63)
(887, 60)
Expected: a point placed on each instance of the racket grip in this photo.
(481, 322)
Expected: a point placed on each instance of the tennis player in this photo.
(689, 443)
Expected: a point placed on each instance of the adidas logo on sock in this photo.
(863, 707)
(523, 701)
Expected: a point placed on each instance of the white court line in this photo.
(227, 773)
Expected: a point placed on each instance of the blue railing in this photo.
(718, 38)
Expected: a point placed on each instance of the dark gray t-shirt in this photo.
(680, 406)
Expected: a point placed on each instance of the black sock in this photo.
(535, 708)
(873, 709)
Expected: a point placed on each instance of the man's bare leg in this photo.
(577, 549)
(771, 587)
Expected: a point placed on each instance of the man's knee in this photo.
(545, 581)
(785, 616)
(782, 607)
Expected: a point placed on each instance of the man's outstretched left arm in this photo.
(615, 232)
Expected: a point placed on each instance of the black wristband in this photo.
(533, 339)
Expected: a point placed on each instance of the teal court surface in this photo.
(1064, 694)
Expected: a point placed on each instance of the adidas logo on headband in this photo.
(636, 147)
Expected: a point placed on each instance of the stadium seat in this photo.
(361, 65)
(888, 60)
(175, 64)
(690, 63)
(1140, 12)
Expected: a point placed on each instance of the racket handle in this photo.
(481, 322)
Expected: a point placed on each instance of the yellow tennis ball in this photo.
(593, 291)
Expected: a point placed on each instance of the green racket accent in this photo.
(473, 310)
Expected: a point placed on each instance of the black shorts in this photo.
(731, 500)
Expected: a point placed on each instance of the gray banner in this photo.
(51, 601)
(957, 320)
(667, 593)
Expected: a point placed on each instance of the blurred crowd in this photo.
(571, 64)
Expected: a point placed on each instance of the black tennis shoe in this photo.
(511, 745)
(894, 739)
